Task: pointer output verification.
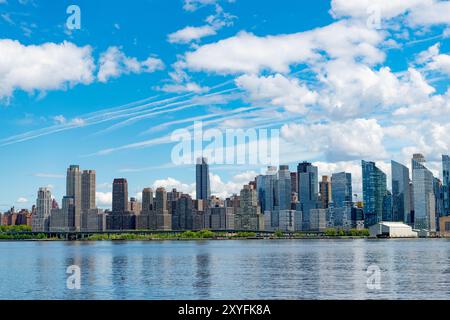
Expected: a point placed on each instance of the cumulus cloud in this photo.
(415, 12)
(193, 5)
(189, 34)
(104, 199)
(113, 63)
(49, 66)
(435, 61)
(247, 53)
(337, 141)
(360, 89)
(278, 90)
(22, 200)
(218, 186)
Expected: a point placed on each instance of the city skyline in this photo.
(277, 200)
(345, 87)
(86, 183)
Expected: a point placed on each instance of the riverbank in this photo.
(15, 235)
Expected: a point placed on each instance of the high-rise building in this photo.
(120, 196)
(120, 218)
(387, 206)
(147, 200)
(163, 218)
(424, 199)
(202, 179)
(134, 206)
(222, 218)
(88, 190)
(308, 191)
(249, 216)
(73, 190)
(283, 188)
(438, 190)
(294, 182)
(341, 189)
(182, 217)
(43, 209)
(401, 202)
(446, 182)
(325, 192)
(374, 192)
(147, 219)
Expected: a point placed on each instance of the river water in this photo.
(235, 269)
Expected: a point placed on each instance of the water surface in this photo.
(247, 269)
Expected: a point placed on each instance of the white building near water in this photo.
(392, 230)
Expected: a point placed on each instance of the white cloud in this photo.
(416, 12)
(434, 60)
(362, 8)
(22, 200)
(189, 34)
(171, 183)
(43, 67)
(193, 5)
(247, 53)
(75, 122)
(361, 90)
(181, 88)
(337, 141)
(113, 63)
(279, 91)
(431, 13)
(218, 187)
(104, 199)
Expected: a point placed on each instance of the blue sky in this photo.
(342, 80)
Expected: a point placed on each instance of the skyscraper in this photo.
(374, 191)
(446, 182)
(163, 218)
(438, 190)
(73, 190)
(147, 200)
(325, 192)
(424, 200)
(341, 189)
(283, 188)
(401, 208)
(308, 190)
(249, 216)
(120, 196)
(182, 218)
(87, 190)
(43, 209)
(203, 190)
(294, 182)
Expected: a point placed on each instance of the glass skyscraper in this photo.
(308, 190)
(374, 192)
(446, 182)
(424, 200)
(203, 190)
(283, 188)
(341, 189)
(401, 200)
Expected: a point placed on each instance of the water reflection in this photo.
(311, 269)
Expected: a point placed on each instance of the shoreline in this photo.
(213, 239)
